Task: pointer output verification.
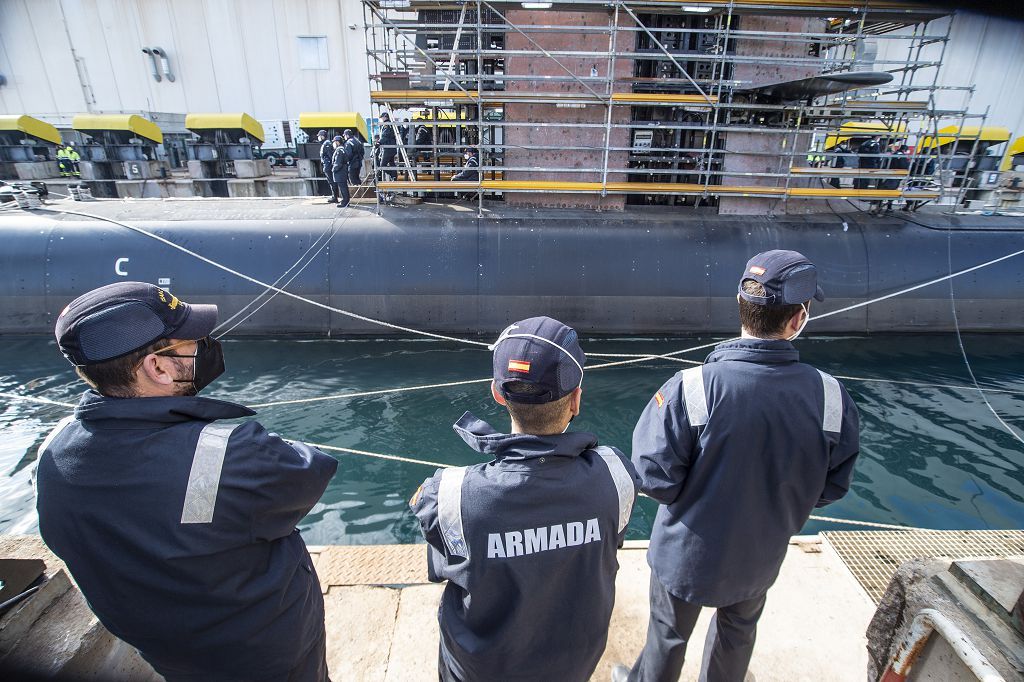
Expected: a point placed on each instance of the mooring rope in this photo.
(271, 287)
(631, 358)
(441, 465)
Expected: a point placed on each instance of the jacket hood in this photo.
(94, 406)
(483, 438)
(755, 350)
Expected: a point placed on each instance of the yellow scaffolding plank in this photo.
(884, 104)
(240, 121)
(848, 172)
(30, 126)
(127, 122)
(335, 120)
(650, 188)
(653, 98)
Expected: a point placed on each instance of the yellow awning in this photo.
(948, 135)
(334, 119)
(30, 126)
(243, 122)
(1016, 147)
(859, 128)
(129, 122)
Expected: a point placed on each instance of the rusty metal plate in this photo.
(371, 565)
(874, 556)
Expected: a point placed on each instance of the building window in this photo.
(313, 52)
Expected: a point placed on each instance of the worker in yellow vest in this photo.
(67, 160)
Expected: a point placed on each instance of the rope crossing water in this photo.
(630, 358)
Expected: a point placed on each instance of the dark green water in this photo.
(930, 457)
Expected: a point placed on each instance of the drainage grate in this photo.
(874, 556)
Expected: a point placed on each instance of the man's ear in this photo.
(155, 369)
(793, 324)
(575, 400)
(498, 398)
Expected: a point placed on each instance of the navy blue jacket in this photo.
(202, 571)
(326, 154)
(471, 171)
(738, 452)
(531, 560)
(339, 164)
(356, 151)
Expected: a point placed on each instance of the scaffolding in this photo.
(662, 102)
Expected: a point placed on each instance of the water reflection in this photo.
(932, 457)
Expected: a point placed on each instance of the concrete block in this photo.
(289, 187)
(141, 189)
(183, 189)
(241, 189)
(308, 168)
(37, 170)
(143, 170)
(252, 168)
(196, 169)
(94, 171)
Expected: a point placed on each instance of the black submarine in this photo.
(445, 269)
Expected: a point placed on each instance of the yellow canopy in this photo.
(948, 135)
(130, 122)
(334, 119)
(859, 128)
(240, 121)
(1016, 147)
(30, 126)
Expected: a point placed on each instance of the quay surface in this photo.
(381, 617)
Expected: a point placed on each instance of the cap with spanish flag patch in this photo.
(541, 352)
(788, 278)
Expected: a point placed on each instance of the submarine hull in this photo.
(447, 272)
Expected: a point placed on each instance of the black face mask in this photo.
(208, 364)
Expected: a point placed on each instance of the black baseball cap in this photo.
(118, 319)
(540, 351)
(338, 138)
(788, 278)
(321, 132)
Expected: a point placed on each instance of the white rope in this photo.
(963, 351)
(919, 286)
(333, 232)
(441, 465)
(261, 283)
(362, 394)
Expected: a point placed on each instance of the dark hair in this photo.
(116, 378)
(764, 321)
(539, 419)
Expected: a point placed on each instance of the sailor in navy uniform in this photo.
(527, 541)
(738, 451)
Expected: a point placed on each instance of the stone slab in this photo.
(308, 168)
(360, 623)
(416, 636)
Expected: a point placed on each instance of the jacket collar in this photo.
(482, 437)
(767, 351)
(94, 406)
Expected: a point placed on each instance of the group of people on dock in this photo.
(179, 527)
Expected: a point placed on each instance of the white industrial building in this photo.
(274, 59)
